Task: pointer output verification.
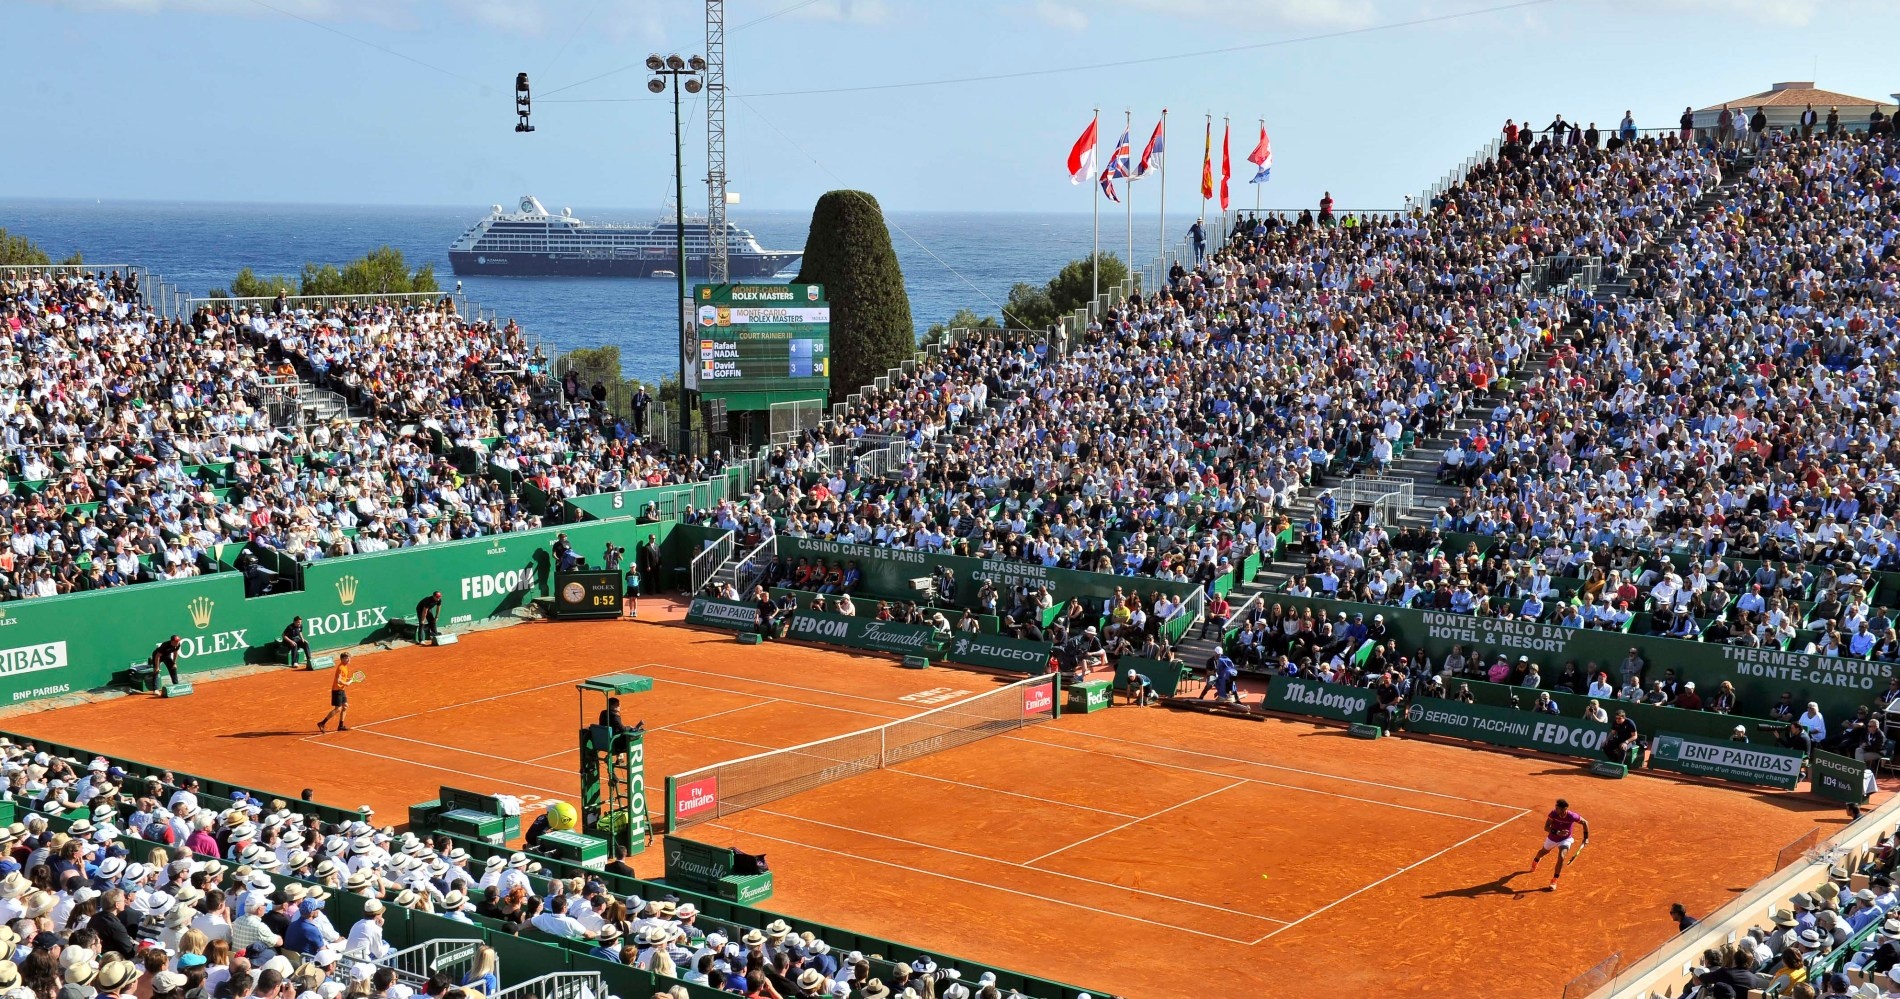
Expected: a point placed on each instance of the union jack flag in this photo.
(1119, 165)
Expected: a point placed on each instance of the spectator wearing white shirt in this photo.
(555, 921)
(366, 937)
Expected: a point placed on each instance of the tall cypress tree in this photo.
(849, 252)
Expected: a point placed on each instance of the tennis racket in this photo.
(1578, 852)
(358, 677)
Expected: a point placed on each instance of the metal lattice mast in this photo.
(716, 140)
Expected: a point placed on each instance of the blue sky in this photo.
(267, 100)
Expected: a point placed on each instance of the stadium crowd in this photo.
(136, 445)
(154, 894)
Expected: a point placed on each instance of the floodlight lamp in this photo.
(698, 63)
(675, 63)
(692, 84)
(655, 63)
(657, 85)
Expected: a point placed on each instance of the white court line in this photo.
(430, 766)
(1256, 780)
(1492, 828)
(1275, 766)
(470, 752)
(1031, 862)
(991, 887)
(1013, 794)
(674, 726)
(1011, 863)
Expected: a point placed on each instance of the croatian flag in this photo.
(1151, 154)
(1262, 157)
(1082, 157)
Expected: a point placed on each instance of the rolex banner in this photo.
(864, 633)
(1840, 778)
(1738, 761)
(999, 652)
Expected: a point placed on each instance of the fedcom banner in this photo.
(1320, 700)
(1507, 727)
(863, 633)
(1738, 761)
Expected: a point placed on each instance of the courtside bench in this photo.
(714, 870)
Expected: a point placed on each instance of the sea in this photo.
(950, 260)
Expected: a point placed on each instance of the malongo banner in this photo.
(1320, 700)
(1748, 763)
(1507, 727)
(722, 614)
(999, 652)
(1760, 676)
(864, 633)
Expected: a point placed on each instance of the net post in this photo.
(672, 804)
(1055, 695)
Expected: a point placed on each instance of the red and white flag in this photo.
(1082, 157)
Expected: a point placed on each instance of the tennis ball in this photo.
(562, 816)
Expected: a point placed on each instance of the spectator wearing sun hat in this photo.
(608, 939)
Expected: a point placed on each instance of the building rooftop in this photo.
(1800, 94)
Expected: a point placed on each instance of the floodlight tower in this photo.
(715, 77)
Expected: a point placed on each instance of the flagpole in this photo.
(1161, 246)
(1128, 203)
(1095, 235)
(1207, 158)
(1256, 187)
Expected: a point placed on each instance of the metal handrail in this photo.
(707, 562)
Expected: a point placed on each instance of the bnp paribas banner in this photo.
(1760, 676)
(863, 633)
(1772, 766)
(1507, 727)
(722, 614)
(999, 652)
(1320, 700)
(84, 641)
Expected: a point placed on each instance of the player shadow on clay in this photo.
(1496, 886)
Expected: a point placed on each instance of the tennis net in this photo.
(722, 789)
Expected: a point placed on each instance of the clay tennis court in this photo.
(1131, 850)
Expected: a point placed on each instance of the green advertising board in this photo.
(889, 571)
(1760, 676)
(1163, 675)
(1320, 700)
(80, 641)
(722, 614)
(1839, 778)
(1748, 763)
(999, 652)
(1506, 727)
(863, 633)
(762, 342)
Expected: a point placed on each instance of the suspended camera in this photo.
(522, 109)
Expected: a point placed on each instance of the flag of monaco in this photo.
(1082, 157)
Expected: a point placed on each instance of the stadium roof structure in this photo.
(1784, 102)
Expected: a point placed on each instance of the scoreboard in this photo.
(762, 338)
(588, 593)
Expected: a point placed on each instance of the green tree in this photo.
(381, 271)
(249, 285)
(1029, 307)
(848, 251)
(964, 319)
(76, 260)
(16, 250)
(1072, 288)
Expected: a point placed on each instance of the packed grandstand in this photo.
(1652, 381)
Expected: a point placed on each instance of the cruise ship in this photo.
(534, 241)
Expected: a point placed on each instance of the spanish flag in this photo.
(1207, 161)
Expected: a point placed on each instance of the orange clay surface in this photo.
(1142, 852)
